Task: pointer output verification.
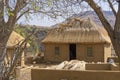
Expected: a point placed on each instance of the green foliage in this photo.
(10, 13)
(35, 7)
(49, 2)
(25, 31)
(20, 31)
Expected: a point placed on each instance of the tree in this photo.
(25, 31)
(10, 12)
(113, 32)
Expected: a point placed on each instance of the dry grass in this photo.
(77, 31)
(15, 39)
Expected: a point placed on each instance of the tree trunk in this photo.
(5, 78)
(116, 44)
(114, 34)
(4, 36)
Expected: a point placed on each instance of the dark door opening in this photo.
(72, 51)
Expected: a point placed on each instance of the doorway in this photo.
(72, 51)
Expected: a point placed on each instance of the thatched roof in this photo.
(75, 30)
(14, 40)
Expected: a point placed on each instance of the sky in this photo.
(40, 21)
(45, 21)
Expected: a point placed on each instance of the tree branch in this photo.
(100, 14)
(13, 18)
(17, 53)
(1, 13)
(111, 6)
(22, 15)
(117, 22)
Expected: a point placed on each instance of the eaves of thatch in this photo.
(75, 30)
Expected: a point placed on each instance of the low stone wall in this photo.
(49, 74)
(93, 72)
(23, 73)
(98, 66)
(102, 66)
(114, 68)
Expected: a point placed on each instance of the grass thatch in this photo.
(75, 30)
(15, 39)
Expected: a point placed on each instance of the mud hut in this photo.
(13, 41)
(77, 39)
